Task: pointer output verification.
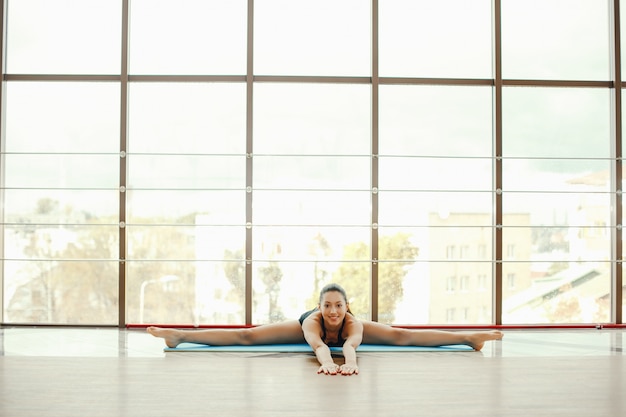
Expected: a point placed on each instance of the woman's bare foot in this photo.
(172, 337)
(477, 340)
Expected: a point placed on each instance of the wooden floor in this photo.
(109, 372)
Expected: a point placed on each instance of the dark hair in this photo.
(338, 288)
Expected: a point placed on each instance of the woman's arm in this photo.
(312, 329)
(355, 336)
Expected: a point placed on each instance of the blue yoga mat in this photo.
(194, 347)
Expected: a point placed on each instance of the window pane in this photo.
(184, 118)
(188, 171)
(461, 293)
(186, 203)
(398, 208)
(397, 252)
(299, 124)
(59, 171)
(186, 292)
(60, 291)
(85, 240)
(182, 242)
(418, 174)
(325, 37)
(186, 207)
(193, 233)
(312, 119)
(435, 121)
(62, 206)
(42, 37)
(189, 187)
(54, 241)
(281, 293)
(556, 123)
(404, 298)
(569, 39)
(197, 271)
(557, 205)
(287, 172)
(431, 134)
(564, 292)
(194, 37)
(62, 117)
(552, 238)
(220, 287)
(320, 243)
(445, 250)
(443, 39)
(312, 208)
(293, 263)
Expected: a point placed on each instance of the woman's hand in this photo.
(348, 369)
(334, 369)
(328, 369)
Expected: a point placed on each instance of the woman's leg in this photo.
(287, 332)
(377, 333)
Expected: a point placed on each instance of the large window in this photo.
(216, 162)
(60, 200)
(435, 181)
(556, 204)
(311, 199)
(185, 202)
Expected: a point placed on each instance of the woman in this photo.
(330, 324)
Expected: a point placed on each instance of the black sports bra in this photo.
(340, 340)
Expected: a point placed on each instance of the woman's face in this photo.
(333, 307)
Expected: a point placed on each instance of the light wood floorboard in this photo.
(527, 374)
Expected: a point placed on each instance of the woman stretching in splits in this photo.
(330, 324)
